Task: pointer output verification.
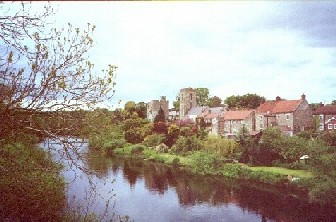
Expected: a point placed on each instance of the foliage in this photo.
(141, 110)
(204, 163)
(185, 144)
(176, 103)
(202, 96)
(186, 131)
(131, 150)
(160, 128)
(31, 188)
(233, 171)
(214, 101)
(153, 140)
(220, 146)
(329, 137)
(160, 117)
(323, 188)
(247, 101)
(309, 134)
(133, 130)
(173, 134)
(129, 108)
(46, 69)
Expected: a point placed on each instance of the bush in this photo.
(329, 138)
(221, 146)
(185, 144)
(109, 146)
(153, 140)
(130, 150)
(234, 171)
(31, 188)
(204, 163)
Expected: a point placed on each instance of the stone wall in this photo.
(233, 126)
(303, 117)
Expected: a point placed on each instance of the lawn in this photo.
(284, 171)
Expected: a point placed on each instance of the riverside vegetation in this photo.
(272, 159)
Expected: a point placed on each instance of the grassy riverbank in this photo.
(204, 163)
(30, 184)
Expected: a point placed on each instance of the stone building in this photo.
(290, 116)
(234, 120)
(325, 114)
(154, 106)
(187, 100)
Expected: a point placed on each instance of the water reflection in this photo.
(191, 190)
(148, 191)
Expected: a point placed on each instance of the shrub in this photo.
(234, 171)
(185, 144)
(109, 146)
(204, 163)
(222, 146)
(30, 186)
(153, 140)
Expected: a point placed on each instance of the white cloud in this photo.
(229, 47)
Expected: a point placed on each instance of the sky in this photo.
(232, 48)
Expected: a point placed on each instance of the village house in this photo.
(211, 116)
(154, 106)
(290, 116)
(173, 115)
(234, 120)
(325, 115)
(195, 112)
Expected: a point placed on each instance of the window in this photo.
(287, 116)
(321, 116)
(261, 126)
(261, 117)
(321, 127)
(330, 126)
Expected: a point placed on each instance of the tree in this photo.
(215, 101)
(46, 70)
(176, 103)
(141, 109)
(133, 132)
(247, 101)
(202, 96)
(129, 108)
(160, 117)
(160, 125)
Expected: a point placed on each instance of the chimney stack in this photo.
(303, 97)
(277, 98)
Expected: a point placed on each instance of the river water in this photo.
(147, 191)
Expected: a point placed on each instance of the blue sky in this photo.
(233, 48)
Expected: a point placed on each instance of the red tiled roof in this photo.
(326, 110)
(237, 114)
(282, 106)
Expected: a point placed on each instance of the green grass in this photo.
(283, 171)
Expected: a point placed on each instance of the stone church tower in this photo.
(187, 100)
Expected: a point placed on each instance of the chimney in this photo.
(277, 98)
(321, 104)
(303, 97)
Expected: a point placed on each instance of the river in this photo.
(147, 191)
